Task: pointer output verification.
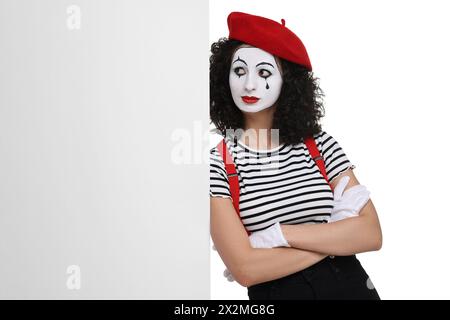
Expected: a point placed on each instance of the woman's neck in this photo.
(258, 132)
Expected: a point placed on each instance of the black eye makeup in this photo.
(239, 71)
(265, 73)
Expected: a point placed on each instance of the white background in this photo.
(384, 67)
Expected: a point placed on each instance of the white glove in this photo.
(348, 204)
(269, 238)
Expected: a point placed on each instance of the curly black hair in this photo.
(299, 107)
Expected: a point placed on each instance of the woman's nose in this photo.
(250, 83)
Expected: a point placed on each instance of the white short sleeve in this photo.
(336, 161)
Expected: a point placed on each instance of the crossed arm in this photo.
(345, 237)
(310, 243)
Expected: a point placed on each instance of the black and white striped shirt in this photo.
(282, 184)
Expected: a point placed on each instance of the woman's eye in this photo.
(265, 73)
(239, 71)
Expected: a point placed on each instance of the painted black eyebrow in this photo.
(265, 63)
(259, 64)
(239, 59)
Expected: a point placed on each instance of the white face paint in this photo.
(255, 80)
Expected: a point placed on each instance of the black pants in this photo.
(337, 278)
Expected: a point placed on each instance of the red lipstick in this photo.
(248, 99)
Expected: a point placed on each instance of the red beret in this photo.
(269, 36)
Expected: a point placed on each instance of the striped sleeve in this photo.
(336, 161)
(218, 179)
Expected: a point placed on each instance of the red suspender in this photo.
(317, 157)
(234, 179)
(232, 175)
